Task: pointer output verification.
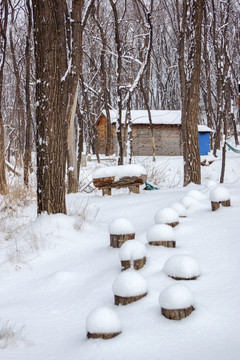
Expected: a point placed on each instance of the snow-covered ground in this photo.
(55, 270)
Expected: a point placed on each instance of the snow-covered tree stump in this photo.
(161, 235)
(176, 302)
(180, 209)
(103, 323)
(182, 267)
(219, 196)
(167, 216)
(132, 255)
(177, 314)
(121, 230)
(129, 287)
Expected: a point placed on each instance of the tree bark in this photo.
(27, 153)
(3, 45)
(190, 68)
(51, 64)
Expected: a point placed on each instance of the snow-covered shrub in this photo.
(196, 194)
(103, 322)
(176, 302)
(133, 254)
(182, 267)
(129, 286)
(166, 216)
(180, 209)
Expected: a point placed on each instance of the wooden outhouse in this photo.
(204, 133)
(167, 132)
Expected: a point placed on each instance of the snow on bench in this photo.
(121, 176)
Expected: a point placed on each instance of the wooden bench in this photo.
(131, 178)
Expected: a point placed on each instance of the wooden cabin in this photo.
(167, 132)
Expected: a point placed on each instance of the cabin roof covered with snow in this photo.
(168, 117)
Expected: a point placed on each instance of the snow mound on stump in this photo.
(103, 320)
(182, 266)
(188, 201)
(160, 232)
(132, 250)
(196, 194)
(176, 297)
(129, 283)
(166, 216)
(219, 193)
(121, 226)
(179, 208)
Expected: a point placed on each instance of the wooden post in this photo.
(170, 244)
(177, 314)
(137, 264)
(106, 191)
(120, 300)
(104, 336)
(116, 240)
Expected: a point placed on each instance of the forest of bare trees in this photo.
(63, 62)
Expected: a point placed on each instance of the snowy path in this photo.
(52, 294)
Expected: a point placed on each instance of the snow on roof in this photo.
(219, 193)
(132, 250)
(160, 232)
(184, 266)
(119, 171)
(129, 283)
(166, 216)
(176, 297)
(159, 117)
(204, 128)
(103, 320)
(120, 226)
(168, 117)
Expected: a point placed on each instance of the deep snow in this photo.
(54, 271)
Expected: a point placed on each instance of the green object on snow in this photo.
(232, 148)
(150, 187)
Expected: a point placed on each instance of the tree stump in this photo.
(173, 224)
(216, 204)
(104, 336)
(177, 314)
(182, 278)
(137, 264)
(170, 244)
(116, 240)
(120, 300)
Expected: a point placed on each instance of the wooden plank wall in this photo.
(167, 139)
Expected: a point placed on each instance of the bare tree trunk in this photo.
(51, 64)
(190, 68)
(119, 78)
(19, 98)
(3, 44)
(27, 153)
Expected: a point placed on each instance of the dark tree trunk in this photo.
(190, 69)
(27, 153)
(51, 64)
(3, 44)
